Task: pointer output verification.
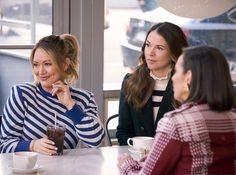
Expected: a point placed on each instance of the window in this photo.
(22, 23)
(129, 22)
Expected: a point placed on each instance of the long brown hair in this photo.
(139, 86)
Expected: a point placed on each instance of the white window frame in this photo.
(85, 19)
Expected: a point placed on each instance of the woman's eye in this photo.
(48, 64)
(147, 44)
(35, 65)
(160, 48)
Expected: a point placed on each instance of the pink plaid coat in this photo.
(191, 140)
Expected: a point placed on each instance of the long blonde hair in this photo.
(61, 47)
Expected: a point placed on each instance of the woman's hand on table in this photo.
(143, 159)
(122, 159)
(44, 146)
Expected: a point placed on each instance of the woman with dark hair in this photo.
(147, 93)
(200, 136)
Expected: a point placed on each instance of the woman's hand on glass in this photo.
(44, 146)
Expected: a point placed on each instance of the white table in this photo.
(87, 161)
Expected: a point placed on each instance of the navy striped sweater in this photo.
(29, 110)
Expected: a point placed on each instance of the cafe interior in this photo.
(101, 27)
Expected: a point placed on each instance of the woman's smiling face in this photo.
(45, 69)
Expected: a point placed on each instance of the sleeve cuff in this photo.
(23, 146)
(76, 114)
(130, 165)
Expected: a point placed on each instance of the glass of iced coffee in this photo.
(56, 133)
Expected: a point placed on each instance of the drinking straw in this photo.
(55, 120)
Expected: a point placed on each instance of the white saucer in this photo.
(25, 171)
(135, 154)
(134, 151)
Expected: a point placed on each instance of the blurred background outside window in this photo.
(130, 20)
(22, 24)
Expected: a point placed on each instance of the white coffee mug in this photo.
(140, 143)
(24, 160)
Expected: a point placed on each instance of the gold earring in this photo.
(185, 93)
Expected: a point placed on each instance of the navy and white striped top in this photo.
(29, 110)
(158, 92)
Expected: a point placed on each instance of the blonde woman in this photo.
(33, 106)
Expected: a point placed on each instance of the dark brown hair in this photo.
(61, 47)
(139, 86)
(211, 81)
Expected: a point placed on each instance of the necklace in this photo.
(161, 78)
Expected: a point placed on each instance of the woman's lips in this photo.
(43, 78)
(151, 61)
